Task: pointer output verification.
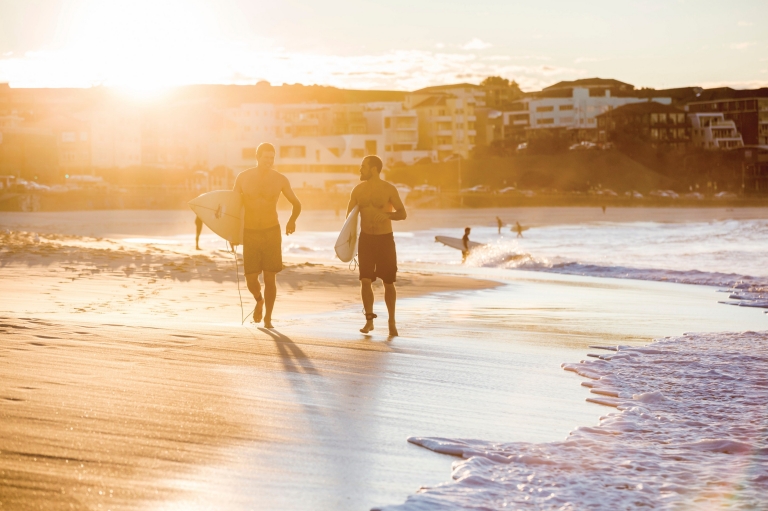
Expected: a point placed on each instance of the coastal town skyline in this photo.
(147, 46)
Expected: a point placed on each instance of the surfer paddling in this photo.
(260, 188)
(379, 204)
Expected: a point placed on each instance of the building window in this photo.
(387, 122)
(370, 147)
(545, 108)
(565, 107)
(249, 153)
(546, 121)
(293, 151)
(655, 133)
(68, 136)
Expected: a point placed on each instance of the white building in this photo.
(306, 161)
(115, 138)
(575, 105)
(400, 128)
(713, 131)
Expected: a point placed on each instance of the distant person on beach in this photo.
(198, 230)
(260, 188)
(603, 209)
(518, 229)
(499, 223)
(380, 204)
(465, 242)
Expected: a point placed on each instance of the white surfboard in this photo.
(457, 243)
(222, 211)
(346, 243)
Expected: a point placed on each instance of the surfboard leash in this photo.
(233, 248)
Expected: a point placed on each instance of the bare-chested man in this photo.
(262, 251)
(379, 204)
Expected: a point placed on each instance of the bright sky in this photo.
(397, 44)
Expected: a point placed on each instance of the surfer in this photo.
(260, 188)
(465, 243)
(379, 203)
(518, 229)
(198, 230)
(499, 223)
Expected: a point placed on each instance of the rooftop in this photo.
(591, 82)
(646, 107)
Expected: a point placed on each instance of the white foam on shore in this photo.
(689, 431)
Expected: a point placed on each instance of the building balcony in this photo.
(444, 133)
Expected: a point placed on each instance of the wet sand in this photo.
(127, 381)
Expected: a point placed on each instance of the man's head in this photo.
(370, 166)
(466, 230)
(265, 155)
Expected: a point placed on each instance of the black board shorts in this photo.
(377, 257)
(262, 250)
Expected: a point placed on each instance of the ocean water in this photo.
(688, 431)
(717, 253)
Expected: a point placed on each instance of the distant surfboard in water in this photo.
(457, 243)
(222, 212)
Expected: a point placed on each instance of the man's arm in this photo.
(399, 208)
(352, 201)
(290, 227)
(238, 186)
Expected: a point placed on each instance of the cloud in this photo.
(476, 44)
(248, 64)
(745, 23)
(741, 46)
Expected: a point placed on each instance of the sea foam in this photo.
(689, 431)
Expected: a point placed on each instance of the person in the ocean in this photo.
(380, 204)
(518, 229)
(198, 230)
(465, 243)
(499, 223)
(260, 188)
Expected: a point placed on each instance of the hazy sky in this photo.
(397, 44)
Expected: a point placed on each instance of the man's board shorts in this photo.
(262, 250)
(377, 257)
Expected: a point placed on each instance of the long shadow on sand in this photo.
(292, 357)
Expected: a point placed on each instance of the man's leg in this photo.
(390, 297)
(252, 279)
(270, 293)
(366, 293)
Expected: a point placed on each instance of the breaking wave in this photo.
(689, 431)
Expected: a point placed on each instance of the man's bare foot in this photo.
(258, 312)
(392, 329)
(268, 323)
(368, 323)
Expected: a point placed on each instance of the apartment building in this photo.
(748, 109)
(447, 118)
(656, 123)
(573, 106)
(400, 128)
(713, 131)
(115, 137)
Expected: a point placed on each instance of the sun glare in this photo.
(142, 47)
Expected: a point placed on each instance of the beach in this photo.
(129, 382)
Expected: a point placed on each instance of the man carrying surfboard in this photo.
(260, 188)
(379, 204)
